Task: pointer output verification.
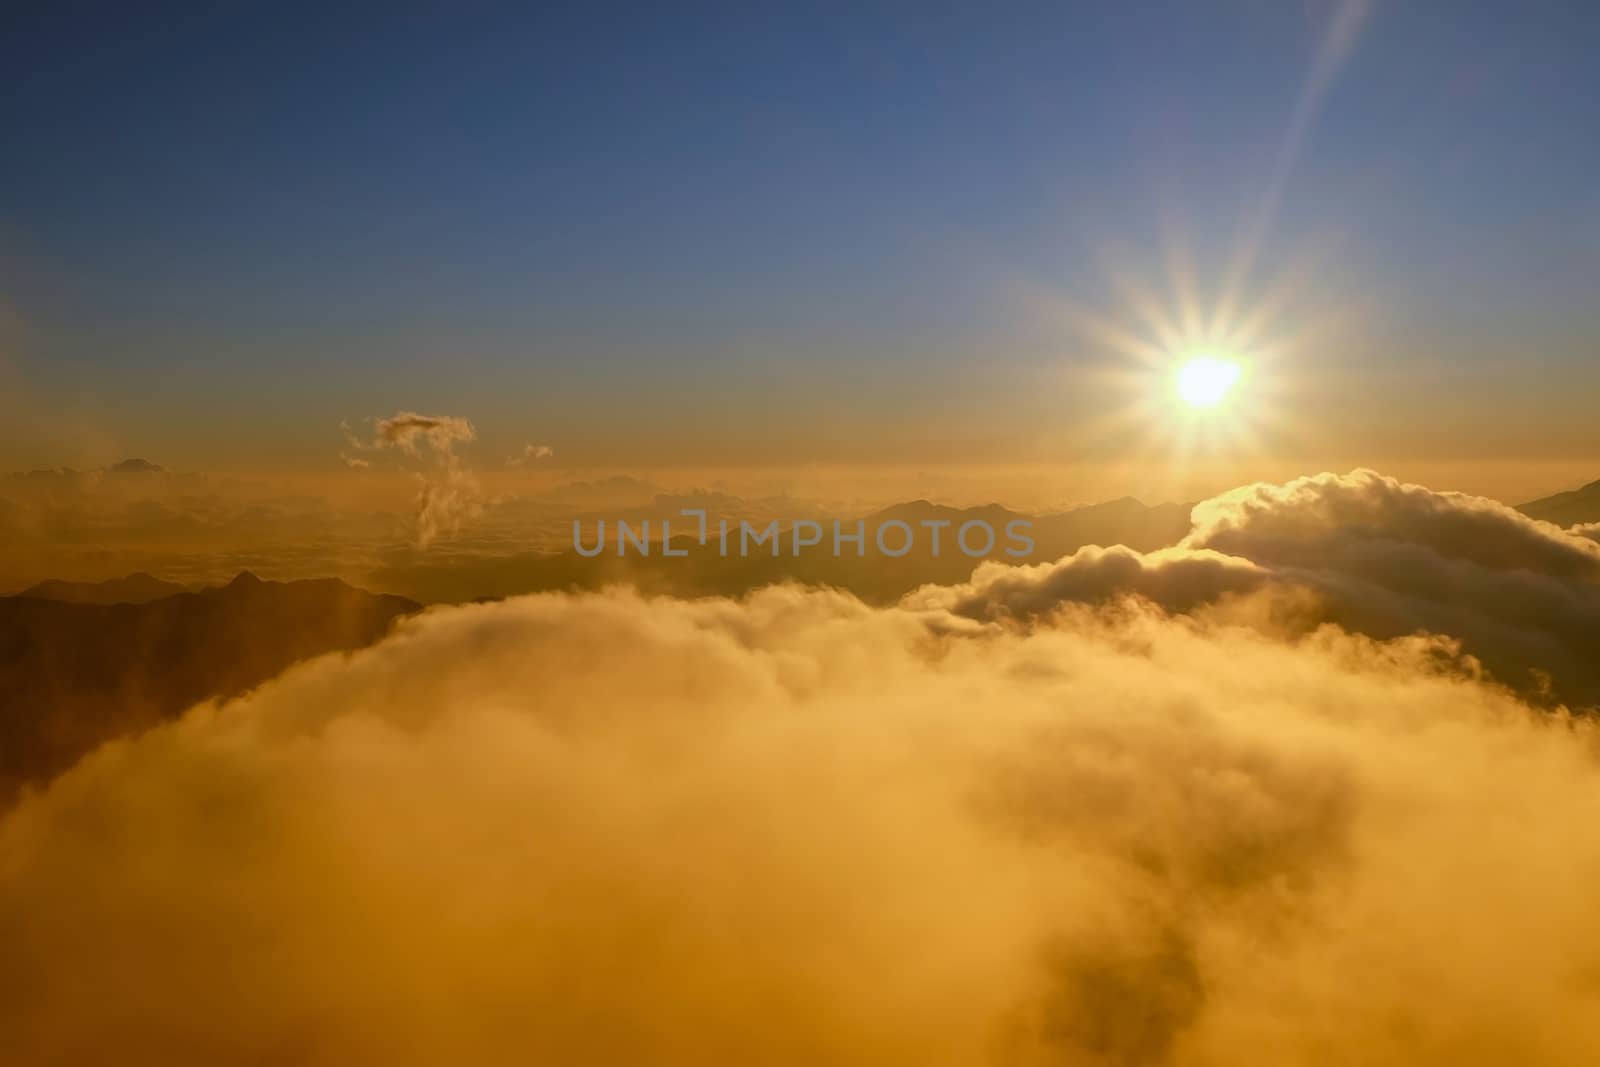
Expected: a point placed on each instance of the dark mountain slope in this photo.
(74, 675)
(1566, 509)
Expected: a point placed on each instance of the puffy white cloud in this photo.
(1374, 523)
(1367, 552)
(798, 830)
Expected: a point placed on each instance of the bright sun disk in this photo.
(1204, 381)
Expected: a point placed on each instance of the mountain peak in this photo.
(136, 466)
(1566, 509)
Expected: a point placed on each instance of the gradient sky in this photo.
(845, 234)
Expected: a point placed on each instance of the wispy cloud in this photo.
(530, 454)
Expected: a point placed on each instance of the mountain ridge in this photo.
(74, 675)
(1571, 508)
(136, 588)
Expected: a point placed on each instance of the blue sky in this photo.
(243, 214)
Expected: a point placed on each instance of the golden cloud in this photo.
(794, 829)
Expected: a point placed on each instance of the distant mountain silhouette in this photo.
(917, 511)
(134, 589)
(618, 489)
(1566, 509)
(1139, 526)
(136, 466)
(71, 476)
(73, 675)
(874, 577)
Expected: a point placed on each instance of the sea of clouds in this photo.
(1314, 787)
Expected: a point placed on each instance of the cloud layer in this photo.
(1362, 551)
(794, 829)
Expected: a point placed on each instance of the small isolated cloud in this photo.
(447, 494)
(409, 431)
(530, 454)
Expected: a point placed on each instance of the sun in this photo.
(1205, 381)
(1190, 380)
